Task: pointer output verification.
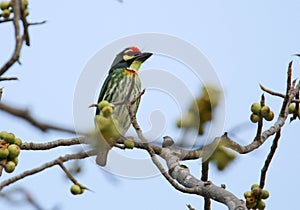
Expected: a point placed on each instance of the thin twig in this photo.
(8, 78)
(268, 160)
(190, 207)
(18, 38)
(24, 114)
(45, 166)
(69, 175)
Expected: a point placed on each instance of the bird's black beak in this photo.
(143, 56)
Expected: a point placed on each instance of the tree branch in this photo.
(45, 166)
(268, 160)
(24, 114)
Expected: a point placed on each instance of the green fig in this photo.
(3, 153)
(291, 108)
(18, 142)
(103, 104)
(247, 194)
(4, 5)
(270, 116)
(10, 166)
(14, 151)
(265, 110)
(255, 108)
(254, 118)
(6, 13)
(107, 111)
(260, 205)
(76, 189)
(129, 144)
(254, 186)
(265, 194)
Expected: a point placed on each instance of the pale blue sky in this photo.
(247, 43)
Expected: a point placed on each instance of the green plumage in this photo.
(115, 89)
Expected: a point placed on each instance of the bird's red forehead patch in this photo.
(135, 49)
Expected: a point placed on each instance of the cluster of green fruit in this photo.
(255, 196)
(292, 110)
(9, 150)
(6, 7)
(105, 121)
(259, 111)
(76, 189)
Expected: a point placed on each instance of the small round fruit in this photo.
(26, 12)
(265, 194)
(18, 142)
(251, 202)
(4, 5)
(260, 205)
(25, 3)
(3, 153)
(254, 186)
(247, 194)
(291, 108)
(10, 166)
(254, 118)
(107, 111)
(270, 116)
(8, 137)
(76, 189)
(14, 151)
(265, 110)
(6, 13)
(3, 134)
(15, 160)
(255, 108)
(103, 104)
(129, 144)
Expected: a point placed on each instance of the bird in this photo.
(116, 87)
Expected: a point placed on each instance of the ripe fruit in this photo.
(291, 108)
(250, 202)
(254, 118)
(270, 116)
(76, 189)
(4, 5)
(129, 144)
(3, 153)
(255, 108)
(265, 110)
(10, 166)
(6, 13)
(14, 151)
